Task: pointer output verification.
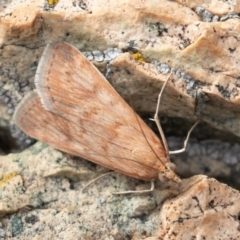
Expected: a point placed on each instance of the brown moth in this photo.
(76, 110)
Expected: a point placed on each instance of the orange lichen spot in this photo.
(52, 2)
(138, 57)
(7, 178)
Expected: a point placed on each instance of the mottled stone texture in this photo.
(135, 44)
(42, 190)
(204, 55)
(203, 212)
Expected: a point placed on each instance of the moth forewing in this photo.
(80, 113)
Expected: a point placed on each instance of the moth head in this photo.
(167, 173)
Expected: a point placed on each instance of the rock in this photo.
(167, 35)
(214, 158)
(205, 209)
(135, 44)
(41, 194)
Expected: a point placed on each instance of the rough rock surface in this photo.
(199, 41)
(41, 198)
(135, 44)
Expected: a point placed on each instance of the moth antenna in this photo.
(157, 120)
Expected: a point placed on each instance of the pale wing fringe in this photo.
(21, 106)
(41, 72)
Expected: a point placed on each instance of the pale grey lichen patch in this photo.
(178, 73)
(88, 55)
(98, 56)
(189, 82)
(201, 100)
(229, 16)
(111, 53)
(107, 55)
(192, 85)
(199, 10)
(215, 18)
(162, 67)
(16, 226)
(207, 16)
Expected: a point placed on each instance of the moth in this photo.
(76, 110)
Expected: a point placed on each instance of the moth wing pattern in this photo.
(77, 111)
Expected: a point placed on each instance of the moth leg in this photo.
(118, 193)
(186, 140)
(141, 191)
(95, 179)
